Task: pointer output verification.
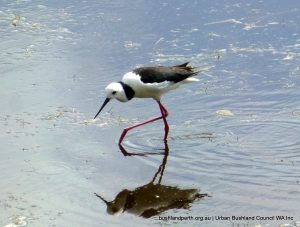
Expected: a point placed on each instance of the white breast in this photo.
(146, 90)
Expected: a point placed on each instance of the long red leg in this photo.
(164, 113)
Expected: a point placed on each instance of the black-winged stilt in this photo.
(149, 82)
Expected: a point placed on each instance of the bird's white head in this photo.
(114, 91)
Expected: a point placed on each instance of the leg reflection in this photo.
(162, 166)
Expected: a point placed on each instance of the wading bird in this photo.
(150, 82)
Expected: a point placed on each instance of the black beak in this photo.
(100, 197)
(104, 104)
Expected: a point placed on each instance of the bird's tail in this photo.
(193, 70)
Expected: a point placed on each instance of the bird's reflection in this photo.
(153, 198)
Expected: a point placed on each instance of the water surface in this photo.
(57, 57)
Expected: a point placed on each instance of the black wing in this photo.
(160, 74)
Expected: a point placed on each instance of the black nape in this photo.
(129, 92)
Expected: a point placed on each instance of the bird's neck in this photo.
(129, 92)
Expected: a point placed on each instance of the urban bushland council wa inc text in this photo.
(226, 218)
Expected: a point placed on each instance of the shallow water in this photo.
(56, 60)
